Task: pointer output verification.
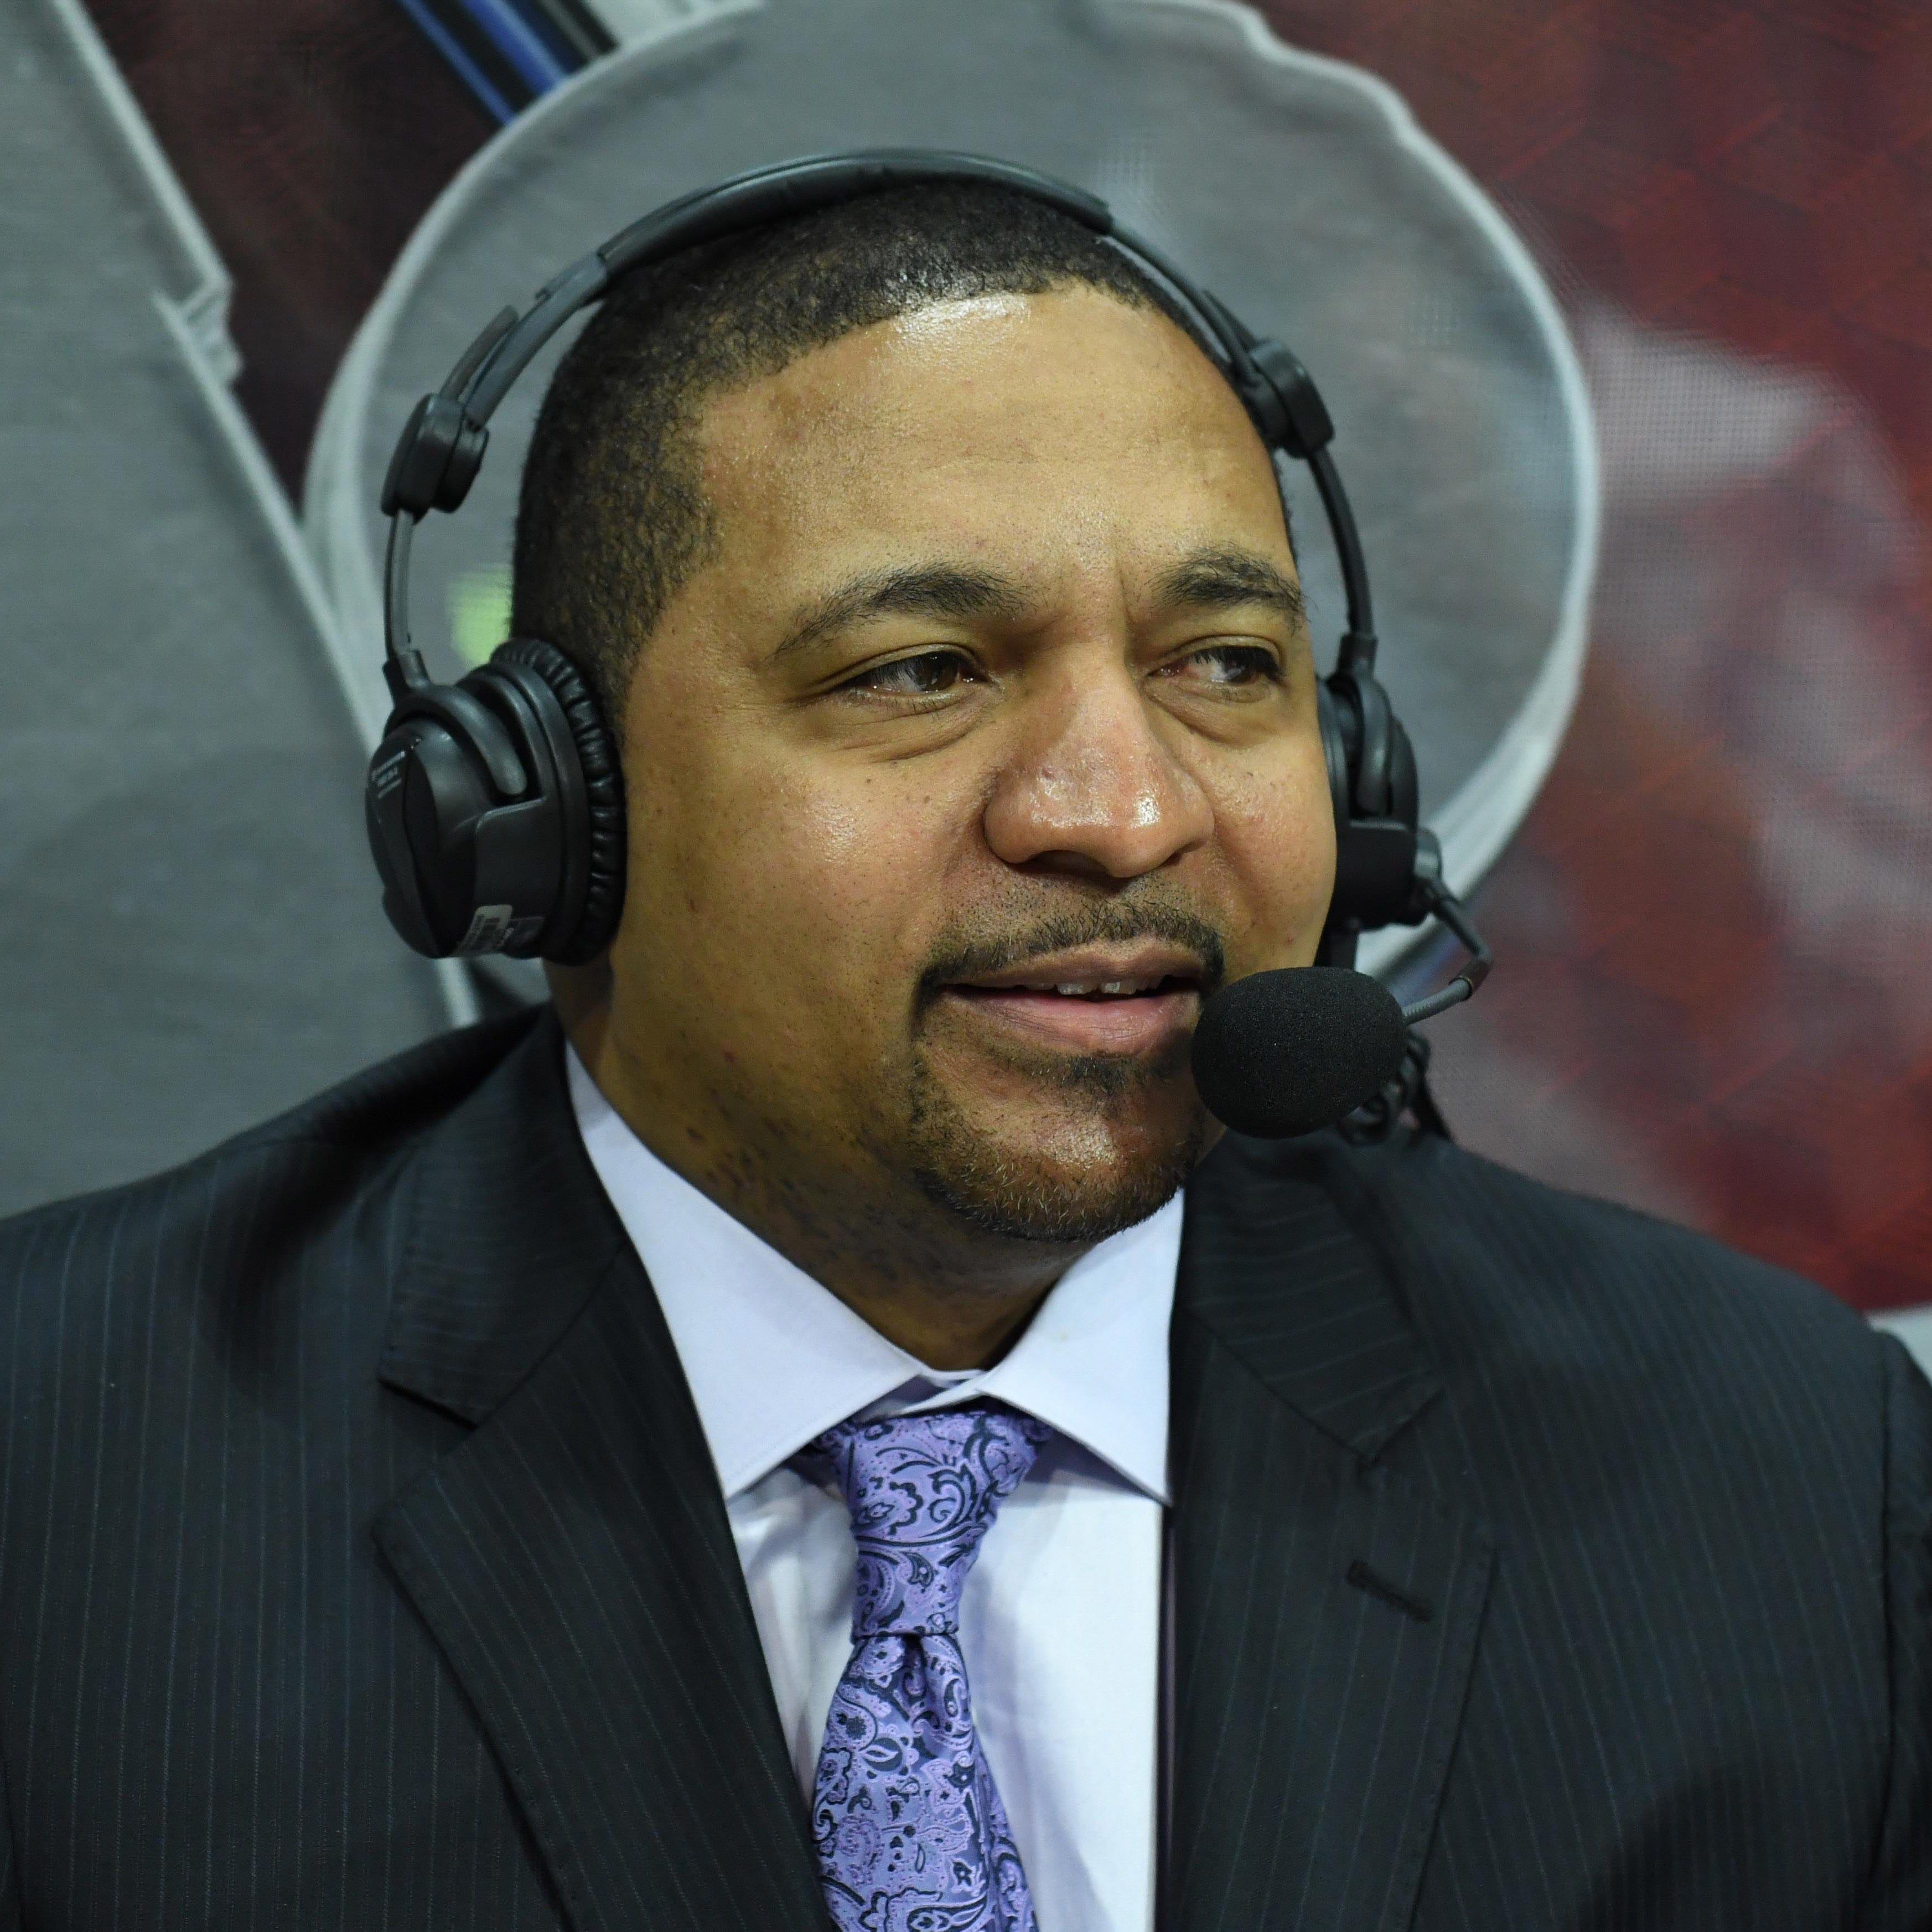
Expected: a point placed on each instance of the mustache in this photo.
(1117, 923)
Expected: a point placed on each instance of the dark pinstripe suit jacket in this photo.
(361, 1564)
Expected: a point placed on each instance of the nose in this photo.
(1090, 789)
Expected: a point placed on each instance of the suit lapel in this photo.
(1326, 1616)
(572, 1556)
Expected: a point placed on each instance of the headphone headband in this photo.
(789, 189)
(783, 193)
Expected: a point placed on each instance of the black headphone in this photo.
(496, 805)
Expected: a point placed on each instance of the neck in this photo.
(950, 1295)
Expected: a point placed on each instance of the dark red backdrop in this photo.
(1716, 925)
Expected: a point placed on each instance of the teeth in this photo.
(1087, 989)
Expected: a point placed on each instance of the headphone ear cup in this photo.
(593, 751)
(1372, 781)
(449, 771)
(1404, 789)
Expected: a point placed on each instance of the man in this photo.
(780, 1443)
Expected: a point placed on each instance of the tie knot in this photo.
(922, 1490)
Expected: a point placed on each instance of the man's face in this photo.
(983, 746)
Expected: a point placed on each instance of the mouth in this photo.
(1123, 1001)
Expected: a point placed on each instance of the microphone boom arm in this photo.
(1445, 906)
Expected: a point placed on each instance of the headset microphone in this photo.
(496, 805)
(1284, 1053)
(1287, 1052)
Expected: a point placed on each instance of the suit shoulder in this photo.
(1517, 1278)
(244, 1207)
(1576, 1313)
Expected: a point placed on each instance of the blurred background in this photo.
(1713, 925)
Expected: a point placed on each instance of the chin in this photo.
(1057, 1172)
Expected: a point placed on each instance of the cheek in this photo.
(790, 889)
(832, 864)
(1277, 834)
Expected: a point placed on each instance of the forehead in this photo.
(1068, 409)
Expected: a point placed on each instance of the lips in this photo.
(1111, 1001)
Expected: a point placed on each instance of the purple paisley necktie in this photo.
(911, 1833)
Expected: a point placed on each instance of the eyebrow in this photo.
(915, 590)
(1221, 578)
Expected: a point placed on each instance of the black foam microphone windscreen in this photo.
(1286, 1052)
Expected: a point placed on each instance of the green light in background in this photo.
(479, 611)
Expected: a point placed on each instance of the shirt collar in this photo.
(774, 1359)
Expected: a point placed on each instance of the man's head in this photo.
(939, 591)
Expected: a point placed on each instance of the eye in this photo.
(926, 674)
(1229, 664)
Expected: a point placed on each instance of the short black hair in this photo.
(612, 520)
